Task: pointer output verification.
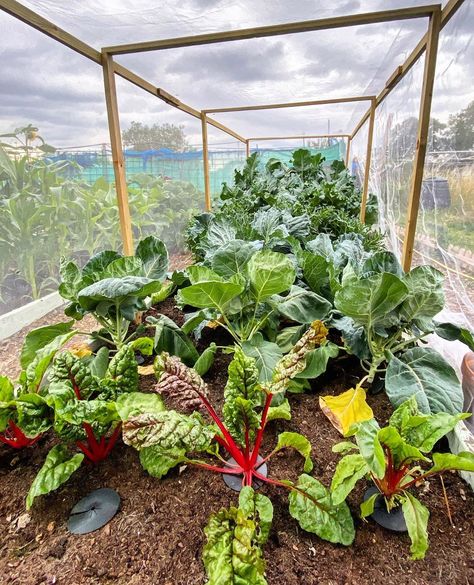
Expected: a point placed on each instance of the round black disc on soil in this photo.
(235, 481)
(393, 520)
(93, 511)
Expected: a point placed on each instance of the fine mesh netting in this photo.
(70, 206)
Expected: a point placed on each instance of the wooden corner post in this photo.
(348, 150)
(422, 138)
(247, 148)
(117, 154)
(368, 159)
(205, 160)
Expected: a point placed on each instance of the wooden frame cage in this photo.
(437, 19)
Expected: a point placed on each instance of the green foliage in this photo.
(113, 288)
(57, 469)
(143, 137)
(393, 311)
(232, 553)
(312, 507)
(391, 456)
(275, 202)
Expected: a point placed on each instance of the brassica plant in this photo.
(113, 288)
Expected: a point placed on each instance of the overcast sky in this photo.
(62, 93)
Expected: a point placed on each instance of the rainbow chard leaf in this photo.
(311, 505)
(232, 554)
(416, 517)
(57, 469)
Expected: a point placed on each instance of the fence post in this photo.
(117, 153)
(368, 157)
(422, 138)
(348, 151)
(205, 159)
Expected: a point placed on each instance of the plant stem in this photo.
(263, 420)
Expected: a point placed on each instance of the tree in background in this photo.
(143, 137)
(462, 128)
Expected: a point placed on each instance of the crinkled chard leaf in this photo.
(232, 554)
(316, 513)
(158, 461)
(168, 430)
(57, 469)
(294, 362)
(242, 396)
(135, 403)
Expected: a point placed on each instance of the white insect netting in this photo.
(61, 93)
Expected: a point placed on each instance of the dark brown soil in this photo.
(157, 536)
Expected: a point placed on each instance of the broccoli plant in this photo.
(113, 288)
(168, 438)
(391, 457)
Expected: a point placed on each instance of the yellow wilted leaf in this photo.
(80, 349)
(145, 370)
(346, 409)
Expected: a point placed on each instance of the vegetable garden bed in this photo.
(157, 537)
(275, 344)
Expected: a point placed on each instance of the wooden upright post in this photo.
(205, 158)
(422, 138)
(247, 148)
(117, 154)
(348, 151)
(368, 157)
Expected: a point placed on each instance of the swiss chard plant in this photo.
(397, 459)
(113, 288)
(84, 396)
(235, 537)
(24, 413)
(168, 438)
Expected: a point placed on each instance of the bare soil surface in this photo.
(157, 536)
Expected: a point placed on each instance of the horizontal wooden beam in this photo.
(452, 6)
(290, 104)
(300, 137)
(275, 30)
